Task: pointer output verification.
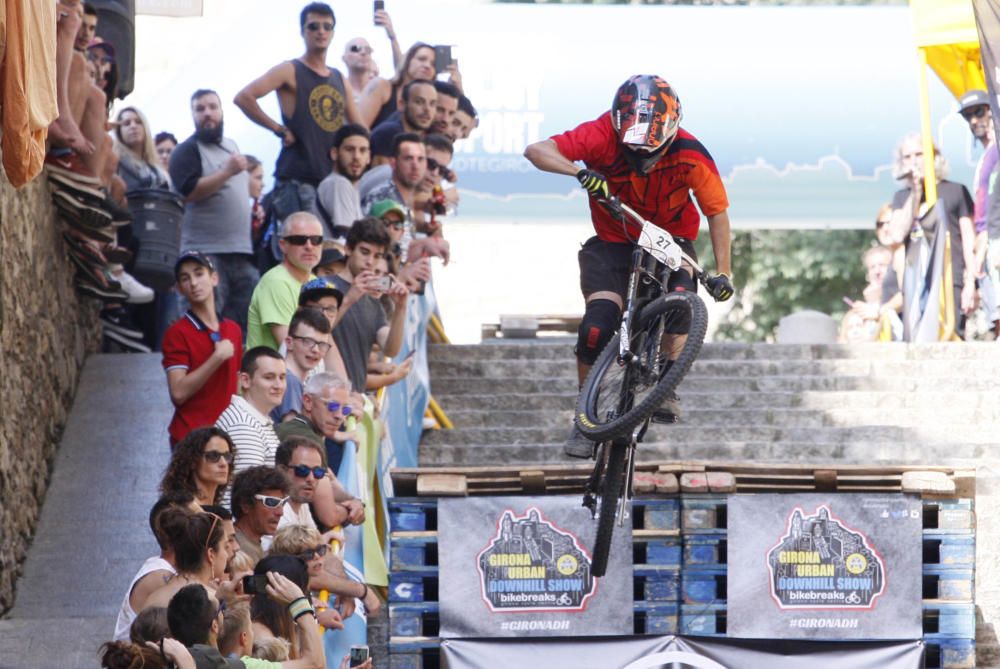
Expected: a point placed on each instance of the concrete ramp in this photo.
(93, 533)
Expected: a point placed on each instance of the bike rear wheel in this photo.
(610, 491)
(616, 397)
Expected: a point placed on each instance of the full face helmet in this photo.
(646, 114)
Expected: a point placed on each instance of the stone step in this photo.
(561, 349)
(858, 399)
(986, 419)
(691, 434)
(502, 369)
(953, 453)
(708, 384)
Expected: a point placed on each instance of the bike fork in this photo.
(629, 472)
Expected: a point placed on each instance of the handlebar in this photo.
(618, 208)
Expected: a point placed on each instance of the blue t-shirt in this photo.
(292, 401)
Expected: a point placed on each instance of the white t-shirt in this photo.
(126, 615)
(290, 517)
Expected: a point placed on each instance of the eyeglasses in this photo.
(433, 165)
(334, 407)
(330, 311)
(310, 553)
(303, 471)
(316, 25)
(398, 225)
(975, 112)
(881, 224)
(215, 456)
(357, 48)
(271, 502)
(302, 240)
(312, 343)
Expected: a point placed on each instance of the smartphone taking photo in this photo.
(255, 584)
(442, 58)
(379, 6)
(359, 655)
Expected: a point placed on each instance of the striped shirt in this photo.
(253, 434)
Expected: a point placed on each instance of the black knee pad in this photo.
(680, 282)
(600, 321)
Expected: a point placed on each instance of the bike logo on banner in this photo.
(821, 563)
(530, 564)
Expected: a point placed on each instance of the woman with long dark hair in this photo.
(202, 464)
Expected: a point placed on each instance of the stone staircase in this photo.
(512, 403)
(936, 404)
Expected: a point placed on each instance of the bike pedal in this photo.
(663, 419)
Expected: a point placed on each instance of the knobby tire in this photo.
(600, 428)
(611, 494)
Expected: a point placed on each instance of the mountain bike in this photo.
(660, 336)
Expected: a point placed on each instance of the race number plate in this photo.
(660, 244)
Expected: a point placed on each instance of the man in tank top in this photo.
(315, 101)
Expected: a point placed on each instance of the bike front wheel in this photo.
(617, 397)
(610, 491)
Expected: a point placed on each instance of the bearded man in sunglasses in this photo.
(276, 297)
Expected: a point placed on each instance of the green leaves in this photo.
(778, 272)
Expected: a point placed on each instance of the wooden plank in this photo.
(533, 482)
(654, 534)
(442, 485)
(934, 483)
(826, 480)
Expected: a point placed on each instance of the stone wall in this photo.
(46, 332)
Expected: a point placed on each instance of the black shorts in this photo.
(604, 266)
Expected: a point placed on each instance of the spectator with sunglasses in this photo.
(157, 569)
(201, 350)
(276, 297)
(337, 195)
(360, 66)
(259, 497)
(416, 116)
(326, 404)
(315, 101)
(201, 464)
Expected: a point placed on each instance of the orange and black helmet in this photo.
(646, 114)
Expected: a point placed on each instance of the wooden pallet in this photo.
(943, 482)
(680, 575)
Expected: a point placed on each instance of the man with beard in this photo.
(447, 104)
(315, 101)
(208, 170)
(407, 167)
(417, 116)
(337, 193)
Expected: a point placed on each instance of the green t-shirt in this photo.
(274, 302)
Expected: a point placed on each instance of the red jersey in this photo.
(663, 196)
(187, 344)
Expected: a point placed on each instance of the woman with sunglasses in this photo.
(201, 552)
(202, 464)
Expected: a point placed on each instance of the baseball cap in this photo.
(330, 256)
(973, 98)
(383, 207)
(317, 288)
(193, 256)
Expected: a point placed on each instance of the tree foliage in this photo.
(778, 272)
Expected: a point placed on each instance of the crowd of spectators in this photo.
(934, 276)
(276, 320)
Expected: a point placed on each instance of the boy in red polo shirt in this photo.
(201, 351)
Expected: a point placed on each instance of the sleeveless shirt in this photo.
(320, 108)
(388, 109)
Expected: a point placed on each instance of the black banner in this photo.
(518, 566)
(988, 24)
(645, 652)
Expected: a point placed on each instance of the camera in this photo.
(382, 283)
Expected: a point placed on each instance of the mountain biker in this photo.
(639, 153)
